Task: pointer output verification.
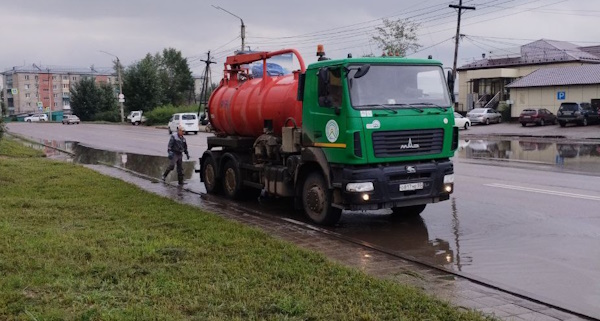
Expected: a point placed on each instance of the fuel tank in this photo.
(242, 106)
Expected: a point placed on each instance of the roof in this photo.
(35, 69)
(560, 76)
(541, 52)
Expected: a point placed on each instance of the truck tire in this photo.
(232, 180)
(408, 211)
(209, 176)
(317, 199)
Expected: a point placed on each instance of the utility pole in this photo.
(460, 7)
(205, 83)
(243, 30)
(121, 96)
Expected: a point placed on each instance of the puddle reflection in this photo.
(579, 157)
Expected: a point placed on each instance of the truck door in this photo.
(327, 119)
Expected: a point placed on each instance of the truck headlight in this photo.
(360, 187)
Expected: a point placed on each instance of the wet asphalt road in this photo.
(524, 215)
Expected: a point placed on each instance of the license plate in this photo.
(411, 186)
(189, 124)
(526, 116)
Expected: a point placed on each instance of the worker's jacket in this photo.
(177, 144)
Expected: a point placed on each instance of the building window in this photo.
(74, 78)
(28, 104)
(55, 104)
(26, 77)
(54, 86)
(26, 86)
(65, 78)
(27, 95)
(36, 77)
(65, 86)
(53, 77)
(55, 95)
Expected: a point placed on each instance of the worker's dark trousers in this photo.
(176, 161)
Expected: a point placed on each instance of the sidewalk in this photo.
(589, 133)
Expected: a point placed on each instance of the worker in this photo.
(177, 147)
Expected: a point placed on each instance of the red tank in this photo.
(240, 107)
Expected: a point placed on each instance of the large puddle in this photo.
(568, 156)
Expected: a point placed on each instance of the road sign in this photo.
(121, 100)
(561, 95)
(121, 96)
(40, 108)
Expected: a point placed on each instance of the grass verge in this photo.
(76, 245)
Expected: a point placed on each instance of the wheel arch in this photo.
(313, 159)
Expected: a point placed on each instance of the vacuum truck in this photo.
(345, 134)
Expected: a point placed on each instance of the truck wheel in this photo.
(232, 180)
(209, 176)
(316, 200)
(408, 211)
(562, 123)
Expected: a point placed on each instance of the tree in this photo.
(91, 101)
(177, 78)
(157, 80)
(143, 85)
(84, 99)
(397, 36)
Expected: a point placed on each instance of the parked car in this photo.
(187, 121)
(578, 113)
(36, 117)
(484, 116)
(461, 121)
(70, 119)
(538, 116)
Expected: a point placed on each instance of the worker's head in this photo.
(180, 131)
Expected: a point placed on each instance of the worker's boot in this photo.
(164, 176)
(180, 180)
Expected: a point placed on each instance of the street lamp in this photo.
(243, 31)
(121, 97)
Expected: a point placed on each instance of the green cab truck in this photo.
(346, 134)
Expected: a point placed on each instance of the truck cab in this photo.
(386, 129)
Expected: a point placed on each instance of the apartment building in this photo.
(32, 89)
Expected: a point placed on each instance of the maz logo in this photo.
(410, 145)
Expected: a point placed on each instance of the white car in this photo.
(36, 117)
(461, 122)
(187, 121)
(70, 119)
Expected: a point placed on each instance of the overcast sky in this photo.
(71, 33)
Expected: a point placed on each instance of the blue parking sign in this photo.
(561, 95)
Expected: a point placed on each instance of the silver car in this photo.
(484, 116)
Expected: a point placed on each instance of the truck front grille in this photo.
(408, 142)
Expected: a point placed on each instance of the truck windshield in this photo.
(399, 86)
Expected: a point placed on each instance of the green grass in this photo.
(10, 147)
(76, 245)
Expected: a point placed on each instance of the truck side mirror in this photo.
(362, 70)
(324, 75)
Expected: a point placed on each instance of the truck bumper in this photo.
(394, 185)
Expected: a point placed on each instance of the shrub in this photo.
(162, 114)
(111, 116)
(504, 110)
